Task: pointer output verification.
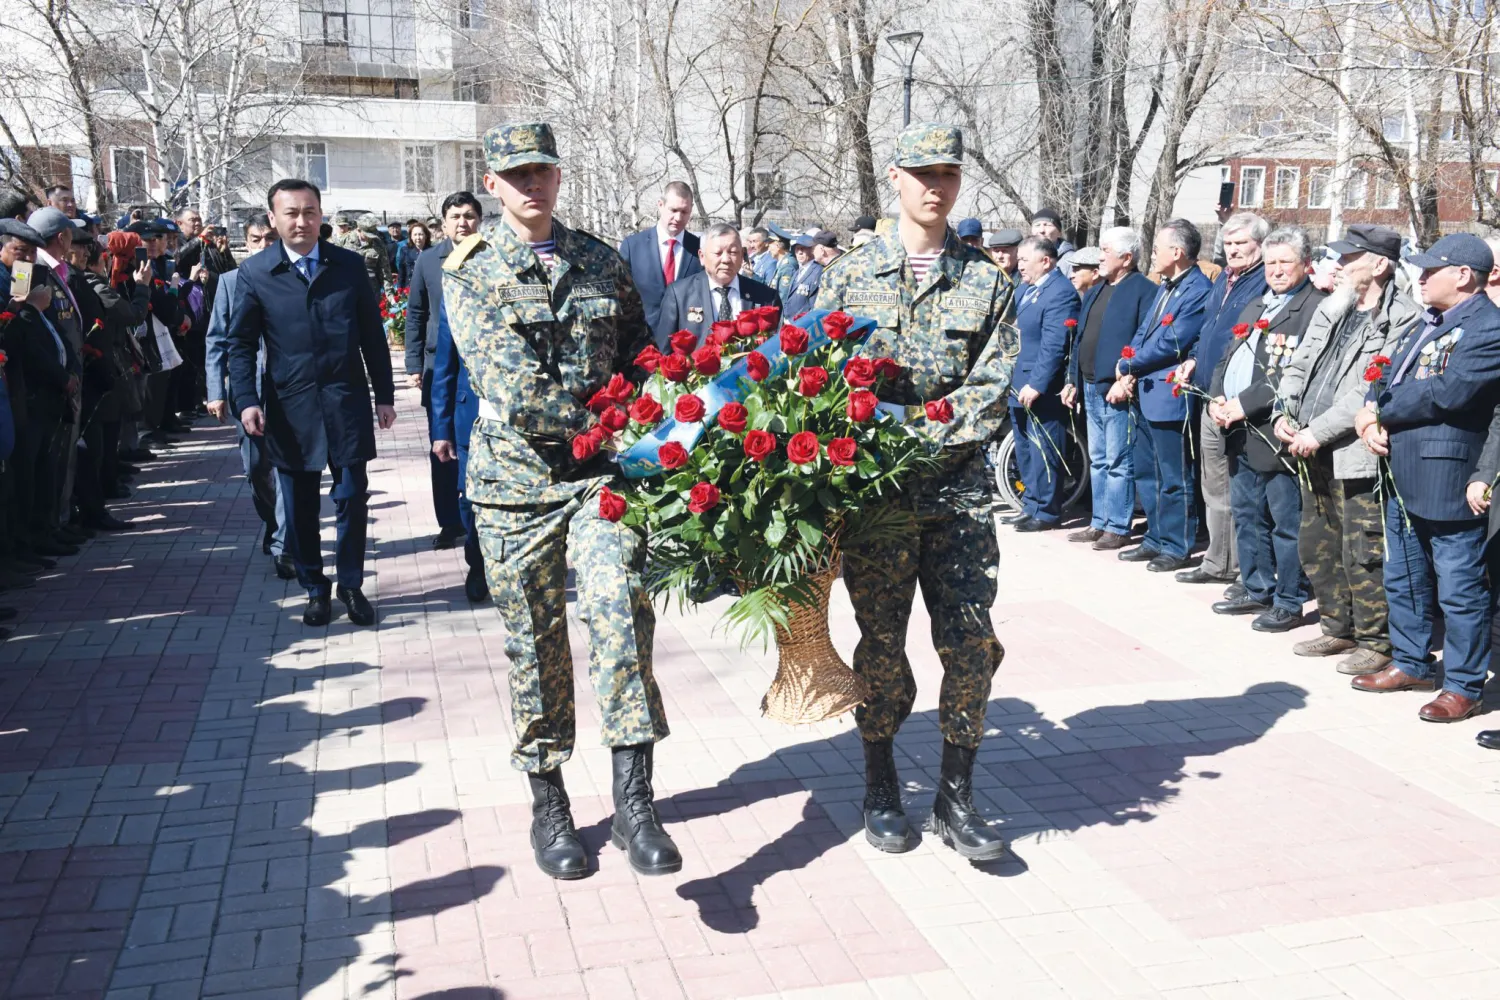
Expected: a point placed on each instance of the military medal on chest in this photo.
(695, 314)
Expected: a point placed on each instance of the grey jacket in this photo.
(1393, 319)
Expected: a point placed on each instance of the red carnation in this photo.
(1241, 331)
(811, 380)
(1176, 391)
(861, 405)
(802, 448)
(703, 498)
(676, 367)
(1379, 359)
(733, 416)
(841, 451)
(683, 341)
(746, 324)
(837, 324)
(939, 410)
(689, 409)
(7, 316)
(672, 455)
(756, 366)
(613, 419)
(611, 504)
(1070, 323)
(887, 368)
(1373, 373)
(860, 373)
(646, 410)
(648, 360)
(1263, 324)
(706, 359)
(793, 339)
(1167, 319)
(1127, 352)
(759, 445)
(1171, 376)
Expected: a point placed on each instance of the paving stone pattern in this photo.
(200, 797)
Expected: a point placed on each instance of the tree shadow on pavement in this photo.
(1110, 765)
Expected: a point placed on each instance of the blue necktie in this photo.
(304, 267)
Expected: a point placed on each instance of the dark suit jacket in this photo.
(39, 380)
(1488, 471)
(1259, 400)
(1222, 313)
(644, 260)
(1042, 318)
(1438, 424)
(320, 339)
(1128, 307)
(423, 304)
(804, 289)
(694, 294)
(454, 407)
(1161, 346)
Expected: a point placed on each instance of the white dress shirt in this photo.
(312, 255)
(736, 305)
(662, 236)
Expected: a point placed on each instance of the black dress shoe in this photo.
(1240, 606)
(1036, 524)
(1138, 554)
(138, 455)
(475, 587)
(1015, 518)
(1488, 738)
(1167, 564)
(1197, 575)
(125, 468)
(317, 611)
(358, 606)
(447, 538)
(1277, 620)
(284, 567)
(1235, 591)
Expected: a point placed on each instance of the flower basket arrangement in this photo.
(753, 458)
(393, 314)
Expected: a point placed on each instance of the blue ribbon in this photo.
(641, 459)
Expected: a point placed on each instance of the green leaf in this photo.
(811, 533)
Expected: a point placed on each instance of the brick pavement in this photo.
(200, 797)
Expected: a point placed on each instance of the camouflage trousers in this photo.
(956, 558)
(527, 550)
(1342, 551)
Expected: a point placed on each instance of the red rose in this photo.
(837, 324)
(648, 360)
(706, 359)
(1379, 359)
(600, 401)
(887, 368)
(811, 380)
(672, 455)
(1263, 324)
(746, 324)
(1241, 331)
(1167, 319)
(759, 444)
(703, 498)
(765, 319)
(802, 448)
(613, 419)
(1127, 352)
(939, 411)
(620, 388)
(793, 339)
(683, 342)
(1070, 323)
(676, 367)
(646, 410)
(689, 409)
(586, 445)
(841, 451)
(733, 416)
(860, 373)
(611, 504)
(721, 333)
(861, 405)
(756, 366)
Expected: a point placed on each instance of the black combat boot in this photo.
(954, 818)
(885, 823)
(636, 829)
(554, 841)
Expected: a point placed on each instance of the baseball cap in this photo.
(825, 238)
(514, 145)
(970, 227)
(1456, 250)
(862, 223)
(49, 221)
(1363, 237)
(927, 144)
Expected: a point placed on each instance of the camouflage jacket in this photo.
(372, 249)
(537, 346)
(950, 334)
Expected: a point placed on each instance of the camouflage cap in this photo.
(927, 144)
(369, 222)
(516, 144)
(343, 219)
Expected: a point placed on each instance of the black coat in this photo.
(320, 339)
(424, 303)
(691, 305)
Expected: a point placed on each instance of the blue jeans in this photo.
(1040, 438)
(265, 488)
(304, 500)
(1111, 460)
(1447, 556)
(1164, 482)
(1267, 509)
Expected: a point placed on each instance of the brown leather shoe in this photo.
(1109, 541)
(1324, 645)
(1363, 661)
(1392, 678)
(1086, 535)
(1450, 706)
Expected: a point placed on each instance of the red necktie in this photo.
(669, 268)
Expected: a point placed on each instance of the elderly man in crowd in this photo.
(1085, 270)
(1322, 389)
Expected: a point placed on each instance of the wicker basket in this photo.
(813, 684)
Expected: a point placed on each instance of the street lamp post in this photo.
(906, 44)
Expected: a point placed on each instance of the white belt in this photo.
(487, 410)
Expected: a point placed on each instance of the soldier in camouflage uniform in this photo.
(543, 316)
(946, 328)
(373, 249)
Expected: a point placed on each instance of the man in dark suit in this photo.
(1478, 495)
(315, 309)
(806, 280)
(1264, 492)
(719, 293)
(664, 253)
(1048, 303)
(1163, 456)
(1110, 314)
(1431, 415)
(424, 304)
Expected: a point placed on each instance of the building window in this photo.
(471, 13)
(1393, 128)
(468, 88)
(128, 168)
(310, 162)
(419, 169)
(767, 191)
(1355, 189)
(474, 169)
(1320, 187)
(1387, 193)
(1252, 187)
(1288, 180)
(379, 31)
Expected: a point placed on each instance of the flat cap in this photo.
(49, 221)
(970, 227)
(1456, 250)
(926, 144)
(1363, 237)
(1086, 257)
(1004, 238)
(16, 229)
(516, 144)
